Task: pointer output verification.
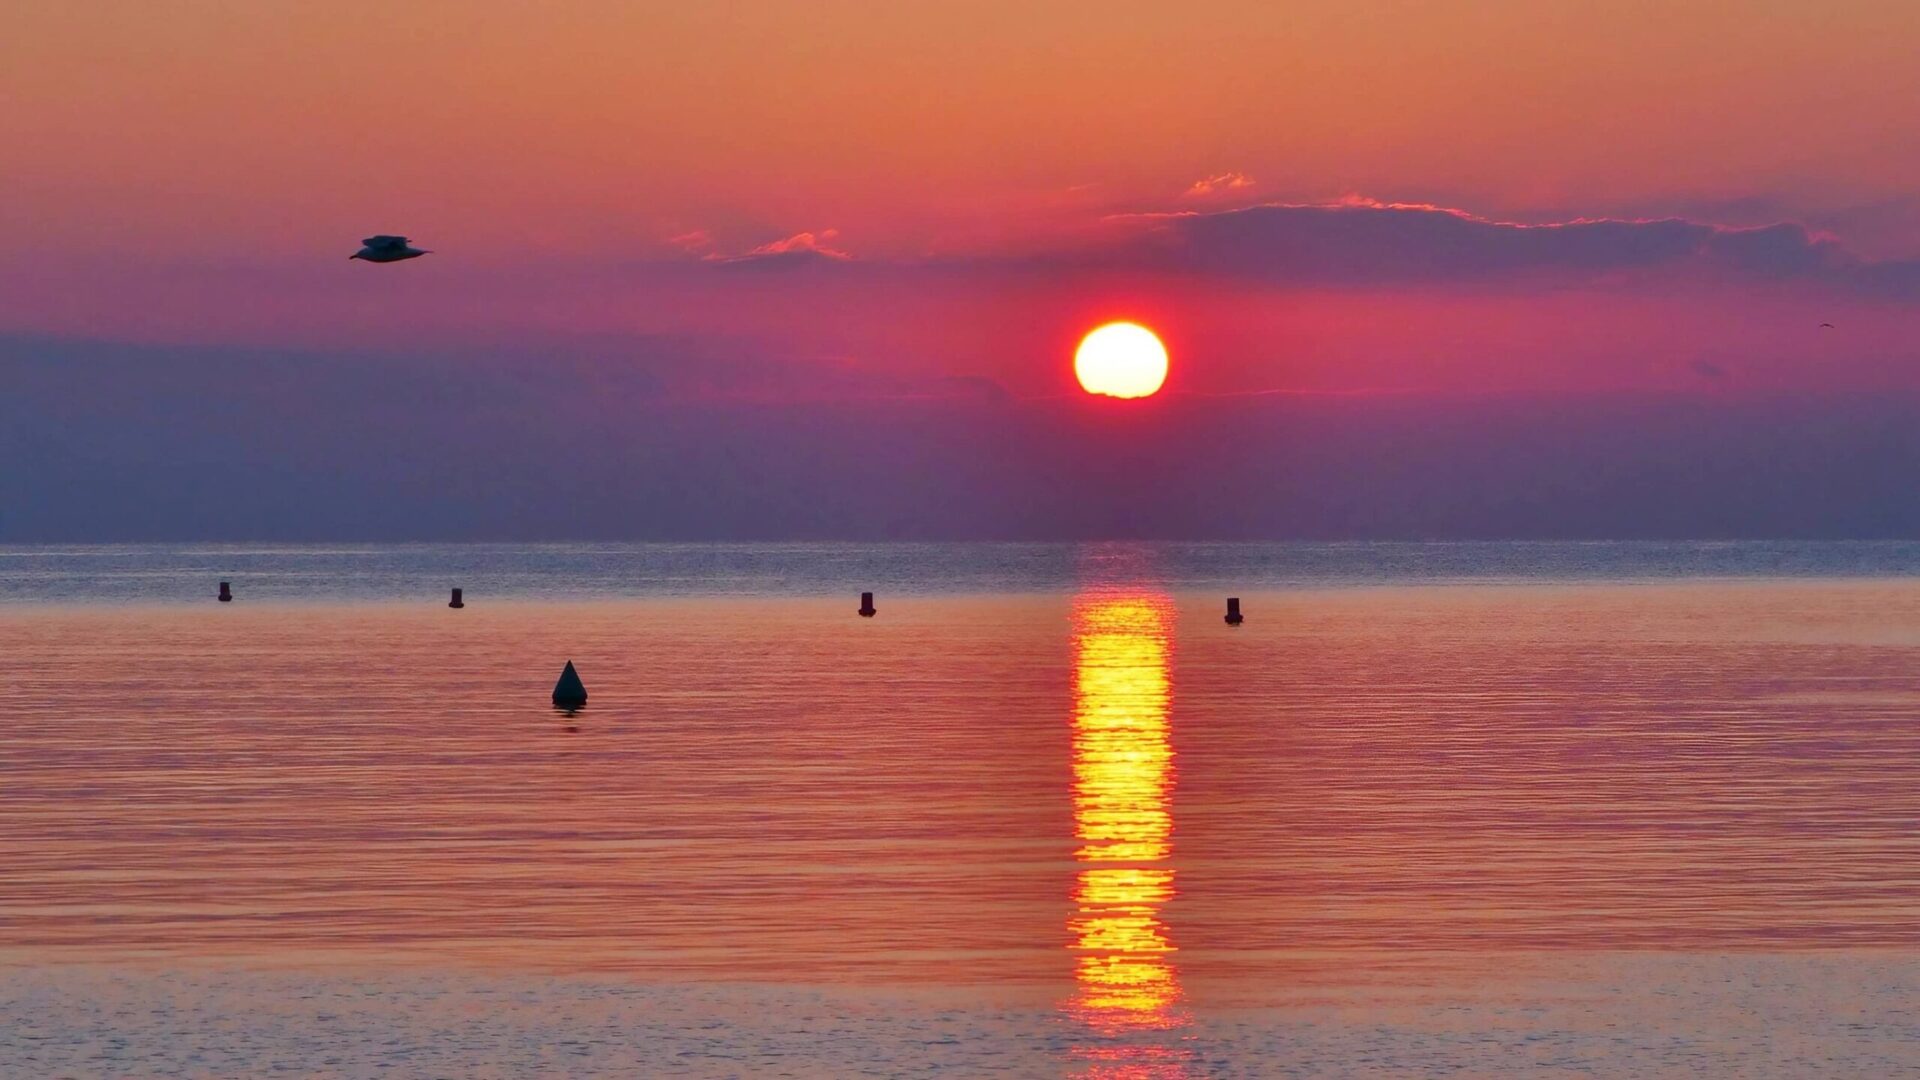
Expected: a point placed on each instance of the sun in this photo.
(1121, 359)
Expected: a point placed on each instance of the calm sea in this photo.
(1462, 810)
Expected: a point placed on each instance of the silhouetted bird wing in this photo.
(385, 241)
(1826, 326)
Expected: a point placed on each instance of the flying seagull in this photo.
(383, 249)
(1826, 326)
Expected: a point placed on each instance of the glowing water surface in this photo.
(1125, 974)
(1104, 808)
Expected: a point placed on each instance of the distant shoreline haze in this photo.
(838, 572)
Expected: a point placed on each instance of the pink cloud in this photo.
(693, 241)
(1218, 184)
(801, 245)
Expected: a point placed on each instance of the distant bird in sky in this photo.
(1826, 326)
(385, 249)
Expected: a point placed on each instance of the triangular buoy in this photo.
(569, 692)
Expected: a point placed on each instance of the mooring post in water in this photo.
(456, 601)
(866, 605)
(569, 693)
(226, 593)
(1233, 611)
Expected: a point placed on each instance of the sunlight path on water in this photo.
(1123, 771)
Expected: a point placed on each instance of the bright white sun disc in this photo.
(1122, 359)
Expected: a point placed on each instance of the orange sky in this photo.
(575, 125)
(1556, 254)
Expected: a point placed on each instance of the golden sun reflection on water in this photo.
(1123, 772)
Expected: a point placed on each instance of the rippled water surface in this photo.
(1097, 830)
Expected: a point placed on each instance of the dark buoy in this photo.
(1233, 611)
(456, 601)
(866, 605)
(226, 593)
(569, 693)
